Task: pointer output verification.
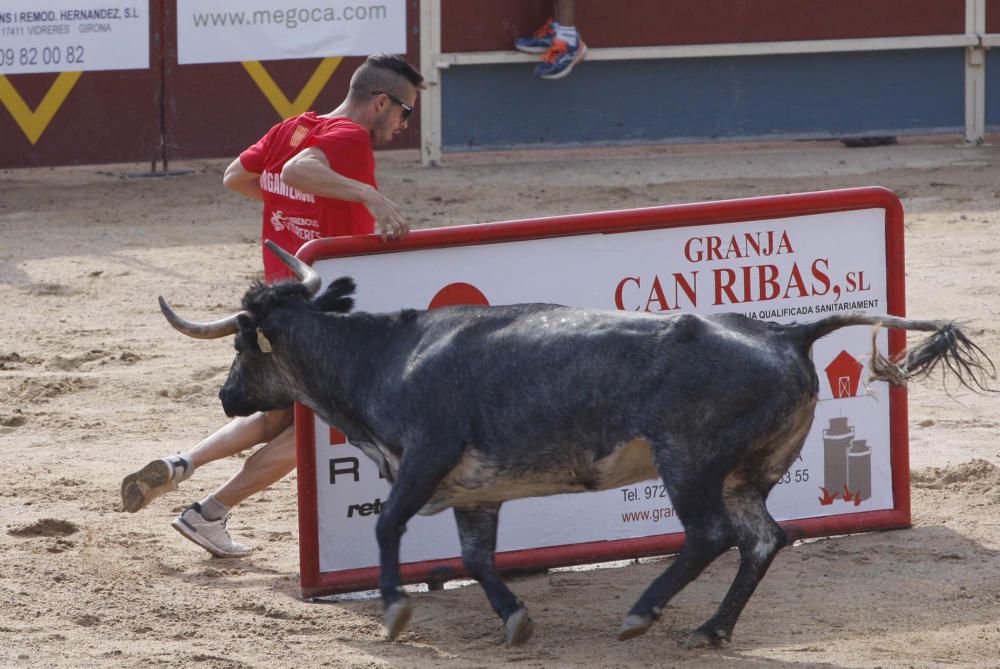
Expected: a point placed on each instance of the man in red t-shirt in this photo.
(316, 178)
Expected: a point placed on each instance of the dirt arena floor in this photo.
(94, 383)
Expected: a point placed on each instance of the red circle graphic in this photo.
(458, 293)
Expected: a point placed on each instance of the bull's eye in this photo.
(240, 342)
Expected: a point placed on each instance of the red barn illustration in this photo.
(844, 375)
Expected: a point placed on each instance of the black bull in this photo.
(468, 407)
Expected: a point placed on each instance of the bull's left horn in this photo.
(307, 275)
(212, 330)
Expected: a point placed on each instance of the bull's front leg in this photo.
(414, 485)
(477, 532)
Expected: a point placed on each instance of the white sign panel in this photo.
(73, 35)
(225, 31)
(800, 268)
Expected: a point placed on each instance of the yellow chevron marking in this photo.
(34, 123)
(306, 97)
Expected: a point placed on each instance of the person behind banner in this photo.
(315, 175)
(558, 41)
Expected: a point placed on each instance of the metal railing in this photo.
(975, 41)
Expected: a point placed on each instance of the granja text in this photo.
(753, 280)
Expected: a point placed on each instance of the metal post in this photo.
(430, 112)
(975, 73)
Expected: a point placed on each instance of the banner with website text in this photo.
(223, 31)
(785, 258)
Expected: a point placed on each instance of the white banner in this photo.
(73, 35)
(226, 31)
(793, 269)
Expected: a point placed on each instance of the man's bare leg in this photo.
(204, 522)
(268, 465)
(565, 11)
(162, 475)
(239, 435)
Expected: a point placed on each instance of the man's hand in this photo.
(310, 172)
(388, 219)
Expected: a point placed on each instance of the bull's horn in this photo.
(307, 275)
(212, 330)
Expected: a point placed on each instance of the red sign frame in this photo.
(315, 583)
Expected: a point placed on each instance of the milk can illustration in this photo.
(859, 469)
(837, 439)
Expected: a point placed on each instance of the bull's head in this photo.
(260, 378)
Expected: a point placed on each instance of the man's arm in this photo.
(239, 180)
(309, 171)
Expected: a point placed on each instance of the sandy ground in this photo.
(94, 383)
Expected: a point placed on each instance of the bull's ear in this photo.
(336, 297)
(263, 343)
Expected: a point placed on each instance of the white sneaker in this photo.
(211, 535)
(159, 476)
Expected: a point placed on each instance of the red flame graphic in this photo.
(828, 497)
(852, 496)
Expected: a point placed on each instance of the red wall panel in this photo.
(484, 25)
(993, 16)
(216, 110)
(106, 116)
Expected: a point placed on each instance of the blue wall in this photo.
(791, 96)
(993, 90)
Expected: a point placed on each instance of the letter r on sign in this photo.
(347, 465)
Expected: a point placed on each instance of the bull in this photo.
(469, 407)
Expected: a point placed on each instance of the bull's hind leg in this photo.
(708, 533)
(477, 531)
(758, 536)
(759, 539)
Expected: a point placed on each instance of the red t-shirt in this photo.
(291, 217)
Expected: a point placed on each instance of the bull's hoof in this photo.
(397, 615)
(634, 625)
(706, 638)
(518, 628)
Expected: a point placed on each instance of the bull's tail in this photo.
(948, 345)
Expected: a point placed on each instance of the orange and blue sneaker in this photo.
(560, 59)
(539, 41)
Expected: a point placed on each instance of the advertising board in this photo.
(222, 31)
(73, 36)
(783, 258)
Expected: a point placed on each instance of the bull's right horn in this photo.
(212, 330)
(307, 275)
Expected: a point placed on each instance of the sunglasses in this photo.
(407, 109)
